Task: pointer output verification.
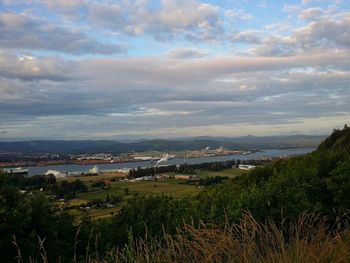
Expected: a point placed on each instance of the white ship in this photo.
(17, 170)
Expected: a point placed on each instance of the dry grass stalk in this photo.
(249, 241)
(307, 240)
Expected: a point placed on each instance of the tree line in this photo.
(191, 168)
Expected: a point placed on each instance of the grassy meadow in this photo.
(174, 187)
(136, 188)
(230, 173)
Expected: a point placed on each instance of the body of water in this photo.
(74, 168)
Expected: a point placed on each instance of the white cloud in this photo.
(305, 2)
(239, 14)
(310, 13)
(29, 68)
(24, 32)
(248, 36)
(173, 18)
(147, 112)
(64, 4)
(326, 33)
(291, 8)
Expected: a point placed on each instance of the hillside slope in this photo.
(339, 140)
(102, 146)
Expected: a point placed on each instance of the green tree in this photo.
(151, 215)
(126, 191)
(339, 185)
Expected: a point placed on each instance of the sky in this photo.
(103, 69)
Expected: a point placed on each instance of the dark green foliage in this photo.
(183, 168)
(68, 190)
(78, 186)
(339, 186)
(95, 203)
(113, 199)
(150, 171)
(126, 191)
(218, 204)
(339, 140)
(141, 172)
(283, 195)
(28, 216)
(151, 216)
(189, 168)
(213, 166)
(98, 184)
(33, 182)
(212, 180)
(258, 176)
(318, 181)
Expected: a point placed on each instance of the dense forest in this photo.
(276, 193)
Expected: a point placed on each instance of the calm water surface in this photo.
(70, 168)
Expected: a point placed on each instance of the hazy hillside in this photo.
(339, 140)
(91, 146)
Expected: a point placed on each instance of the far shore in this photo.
(96, 162)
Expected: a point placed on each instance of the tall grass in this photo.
(309, 239)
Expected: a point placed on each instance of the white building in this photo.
(246, 167)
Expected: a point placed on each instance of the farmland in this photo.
(127, 190)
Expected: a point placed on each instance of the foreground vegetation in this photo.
(307, 239)
(212, 226)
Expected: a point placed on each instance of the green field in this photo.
(230, 173)
(172, 187)
(143, 188)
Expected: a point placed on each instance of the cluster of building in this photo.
(162, 177)
(99, 157)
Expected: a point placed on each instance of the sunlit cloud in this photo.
(172, 68)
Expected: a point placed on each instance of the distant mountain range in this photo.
(197, 143)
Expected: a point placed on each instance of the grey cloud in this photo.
(324, 34)
(23, 32)
(109, 15)
(103, 86)
(310, 13)
(249, 37)
(31, 68)
(187, 53)
(306, 75)
(123, 95)
(275, 46)
(164, 72)
(64, 5)
(327, 32)
(173, 19)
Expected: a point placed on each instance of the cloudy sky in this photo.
(104, 69)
